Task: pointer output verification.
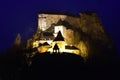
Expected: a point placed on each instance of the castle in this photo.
(68, 33)
(50, 41)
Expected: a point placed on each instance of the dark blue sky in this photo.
(21, 16)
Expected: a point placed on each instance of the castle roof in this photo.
(65, 24)
(45, 44)
(47, 34)
(59, 37)
(57, 13)
(56, 47)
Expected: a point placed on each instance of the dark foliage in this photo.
(53, 66)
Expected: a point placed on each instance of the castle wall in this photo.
(46, 20)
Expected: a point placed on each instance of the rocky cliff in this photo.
(87, 33)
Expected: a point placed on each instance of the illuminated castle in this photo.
(53, 41)
(68, 33)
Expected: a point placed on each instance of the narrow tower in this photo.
(41, 22)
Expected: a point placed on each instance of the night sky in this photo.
(20, 16)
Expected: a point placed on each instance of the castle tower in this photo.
(59, 40)
(46, 20)
(42, 22)
(60, 28)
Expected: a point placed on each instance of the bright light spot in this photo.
(35, 44)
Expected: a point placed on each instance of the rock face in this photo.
(17, 40)
(16, 46)
(85, 31)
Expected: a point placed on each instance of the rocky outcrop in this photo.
(17, 40)
(85, 31)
